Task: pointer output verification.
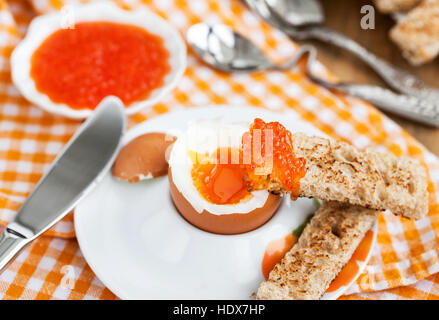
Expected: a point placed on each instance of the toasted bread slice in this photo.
(389, 6)
(325, 246)
(337, 171)
(417, 34)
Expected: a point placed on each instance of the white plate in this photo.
(141, 248)
(43, 26)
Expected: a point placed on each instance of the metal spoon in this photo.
(302, 19)
(227, 51)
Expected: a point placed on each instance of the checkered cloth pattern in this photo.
(405, 260)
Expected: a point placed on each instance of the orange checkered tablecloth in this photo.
(405, 261)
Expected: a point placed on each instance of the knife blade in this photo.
(85, 159)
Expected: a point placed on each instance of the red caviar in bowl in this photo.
(81, 66)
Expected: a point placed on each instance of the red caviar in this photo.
(265, 146)
(81, 66)
(276, 146)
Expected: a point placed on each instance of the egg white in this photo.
(206, 136)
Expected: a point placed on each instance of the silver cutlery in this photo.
(85, 160)
(302, 19)
(225, 50)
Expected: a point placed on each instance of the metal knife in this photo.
(85, 159)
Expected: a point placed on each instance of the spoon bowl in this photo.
(224, 49)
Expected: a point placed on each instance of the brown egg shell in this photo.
(227, 224)
(144, 156)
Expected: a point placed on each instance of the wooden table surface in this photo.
(345, 16)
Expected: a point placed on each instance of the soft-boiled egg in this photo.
(207, 180)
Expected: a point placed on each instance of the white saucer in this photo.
(141, 248)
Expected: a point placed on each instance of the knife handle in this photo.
(11, 244)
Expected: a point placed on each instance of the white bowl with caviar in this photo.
(68, 62)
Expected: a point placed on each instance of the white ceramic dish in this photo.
(141, 248)
(41, 27)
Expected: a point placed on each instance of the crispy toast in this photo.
(389, 6)
(325, 246)
(337, 171)
(417, 34)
